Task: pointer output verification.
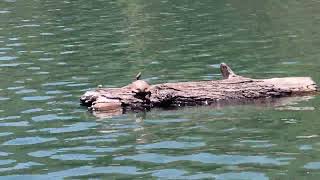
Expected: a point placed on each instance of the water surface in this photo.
(51, 52)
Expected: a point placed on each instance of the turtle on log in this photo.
(140, 87)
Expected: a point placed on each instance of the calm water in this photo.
(51, 52)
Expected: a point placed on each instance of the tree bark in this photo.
(233, 88)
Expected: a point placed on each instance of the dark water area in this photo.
(51, 52)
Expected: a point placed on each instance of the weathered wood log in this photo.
(233, 88)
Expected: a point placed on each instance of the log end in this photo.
(296, 85)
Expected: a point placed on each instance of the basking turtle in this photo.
(140, 87)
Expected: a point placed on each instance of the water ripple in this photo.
(4, 162)
(9, 118)
(28, 141)
(171, 145)
(37, 98)
(42, 153)
(14, 124)
(81, 126)
(312, 165)
(205, 158)
(32, 110)
(55, 92)
(4, 153)
(165, 121)
(57, 83)
(51, 117)
(75, 157)
(20, 166)
(7, 58)
(4, 98)
(5, 134)
(15, 87)
(91, 139)
(25, 91)
(180, 174)
(93, 149)
(81, 171)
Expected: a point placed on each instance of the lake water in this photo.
(51, 52)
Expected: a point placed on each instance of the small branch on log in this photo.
(233, 88)
(227, 72)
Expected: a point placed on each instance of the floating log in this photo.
(231, 89)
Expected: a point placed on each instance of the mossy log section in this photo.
(232, 88)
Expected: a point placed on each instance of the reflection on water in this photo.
(51, 52)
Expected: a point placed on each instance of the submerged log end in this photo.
(106, 106)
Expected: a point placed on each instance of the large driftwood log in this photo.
(233, 88)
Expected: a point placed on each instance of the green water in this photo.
(51, 52)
